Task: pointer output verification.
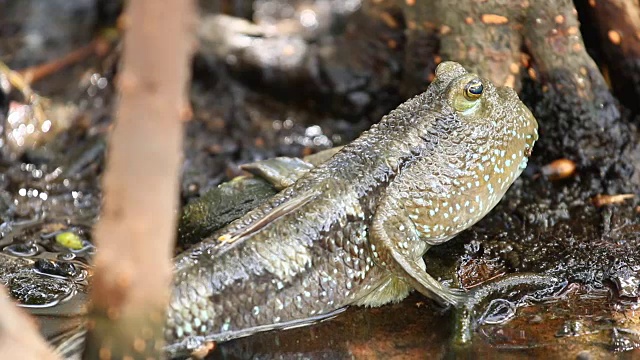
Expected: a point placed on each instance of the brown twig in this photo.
(98, 46)
(602, 200)
(136, 232)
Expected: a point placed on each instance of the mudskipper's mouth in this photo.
(528, 146)
(530, 140)
(528, 151)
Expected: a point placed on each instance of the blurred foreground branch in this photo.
(19, 336)
(136, 232)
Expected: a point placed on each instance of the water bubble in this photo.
(312, 131)
(23, 250)
(46, 126)
(308, 18)
(499, 311)
(66, 256)
(94, 78)
(102, 83)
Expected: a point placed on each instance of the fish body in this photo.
(353, 230)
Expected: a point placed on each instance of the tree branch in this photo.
(135, 235)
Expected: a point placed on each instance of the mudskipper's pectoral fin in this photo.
(321, 157)
(281, 172)
(283, 209)
(211, 247)
(399, 250)
(430, 287)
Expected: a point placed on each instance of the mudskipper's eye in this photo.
(473, 90)
(465, 93)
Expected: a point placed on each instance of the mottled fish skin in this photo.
(353, 230)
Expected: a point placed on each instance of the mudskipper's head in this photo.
(486, 134)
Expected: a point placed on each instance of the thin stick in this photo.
(136, 232)
(33, 74)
